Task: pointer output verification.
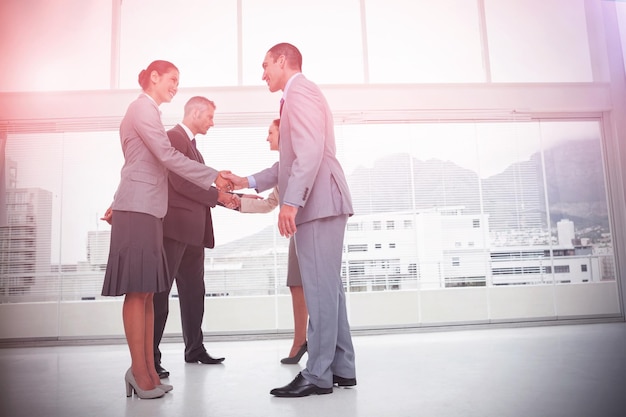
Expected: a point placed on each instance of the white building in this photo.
(425, 249)
(25, 247)
(446, 248)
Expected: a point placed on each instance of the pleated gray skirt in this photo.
(137, 260)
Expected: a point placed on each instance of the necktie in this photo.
(282, 101)
(194, 150)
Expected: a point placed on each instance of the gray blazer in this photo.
(308, 173)
(148, 155)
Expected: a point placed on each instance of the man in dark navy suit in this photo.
(187, 230)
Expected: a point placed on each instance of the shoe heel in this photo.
(131, 385)
(292, 360)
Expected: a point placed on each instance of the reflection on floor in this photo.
(551, 371)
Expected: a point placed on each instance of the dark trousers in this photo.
(186, 267)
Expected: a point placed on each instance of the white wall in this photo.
(231, 315)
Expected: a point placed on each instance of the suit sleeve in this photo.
(180, 184)
(151, 131)
(253, 205)
(307, 132)
(267, 178)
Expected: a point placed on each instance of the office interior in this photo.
(483, 142)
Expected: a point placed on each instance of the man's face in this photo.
(204, 120)
(273, 72)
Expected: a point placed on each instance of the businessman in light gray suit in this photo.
(315, 204)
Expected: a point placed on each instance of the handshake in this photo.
(226, 182)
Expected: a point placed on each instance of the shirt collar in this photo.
(187, 130)
(150, 97)
(289, 83)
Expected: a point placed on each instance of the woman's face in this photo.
(165, 86)
(272, 137)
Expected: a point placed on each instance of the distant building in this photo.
(425, 249)
(566, 232)
(25, 247)
(98, 249)
(446, 248)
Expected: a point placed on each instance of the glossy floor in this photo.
(551, 371)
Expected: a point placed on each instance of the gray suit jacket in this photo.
(148, 155)
(308, 172)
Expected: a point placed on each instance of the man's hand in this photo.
(287, 220)
(237, 182)
(228, 200)
(222, 183)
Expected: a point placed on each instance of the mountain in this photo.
(514, 198)
(575, 183)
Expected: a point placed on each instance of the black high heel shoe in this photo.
(292, 360)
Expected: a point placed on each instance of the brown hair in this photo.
(291, 53)
(161, 67)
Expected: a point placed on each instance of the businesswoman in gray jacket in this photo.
(136, 266)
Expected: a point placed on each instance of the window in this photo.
(68, 44)
(353, 227)
(583, 268)
(545, 41)
(190, 28)
(435, 53)
(357, 248)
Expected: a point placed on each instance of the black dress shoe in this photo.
(344, 382)
(300, 387)
(163, 373)
(204, 358)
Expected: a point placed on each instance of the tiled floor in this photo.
(551, 371)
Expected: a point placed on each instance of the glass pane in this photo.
(55, 45)
(198, 36)
(538, 41)
(620, 8)
(446, 205)
(422, 41)
(325, 32)
(30, 233)
(437, 205)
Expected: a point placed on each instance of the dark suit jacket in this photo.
(188, 217)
